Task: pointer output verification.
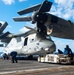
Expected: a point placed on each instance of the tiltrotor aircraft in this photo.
(37, 41)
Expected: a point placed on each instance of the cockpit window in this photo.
(25, 41)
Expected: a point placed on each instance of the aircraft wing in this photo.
(63, 30)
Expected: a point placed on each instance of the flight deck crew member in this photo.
(13, 56)
(59, 51)
(5, 56)
(68, 51)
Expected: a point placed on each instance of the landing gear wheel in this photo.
(30, 57)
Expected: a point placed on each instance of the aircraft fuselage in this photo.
(31, 45)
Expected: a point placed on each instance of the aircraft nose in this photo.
(51, 49)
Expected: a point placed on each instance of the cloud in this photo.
(8, 2)
(2, 22)
(63, 8)
(62, 2)
(22, 0)
(24, 29)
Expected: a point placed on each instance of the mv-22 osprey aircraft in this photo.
(37, 41)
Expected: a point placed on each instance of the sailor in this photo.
(5, 56)
(68, 52)
(13, 56)
(59, 51)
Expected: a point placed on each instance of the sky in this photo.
(60, 8)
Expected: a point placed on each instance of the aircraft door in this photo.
(25, 46)
(25, 41)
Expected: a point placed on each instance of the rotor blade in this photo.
(2, 27)
(6, 40)
(0, 24)
(4, 35)
(22, 19)
(31, 28)
(28, 10)
(45, 6)
(1, 45)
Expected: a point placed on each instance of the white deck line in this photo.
(28, 70)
